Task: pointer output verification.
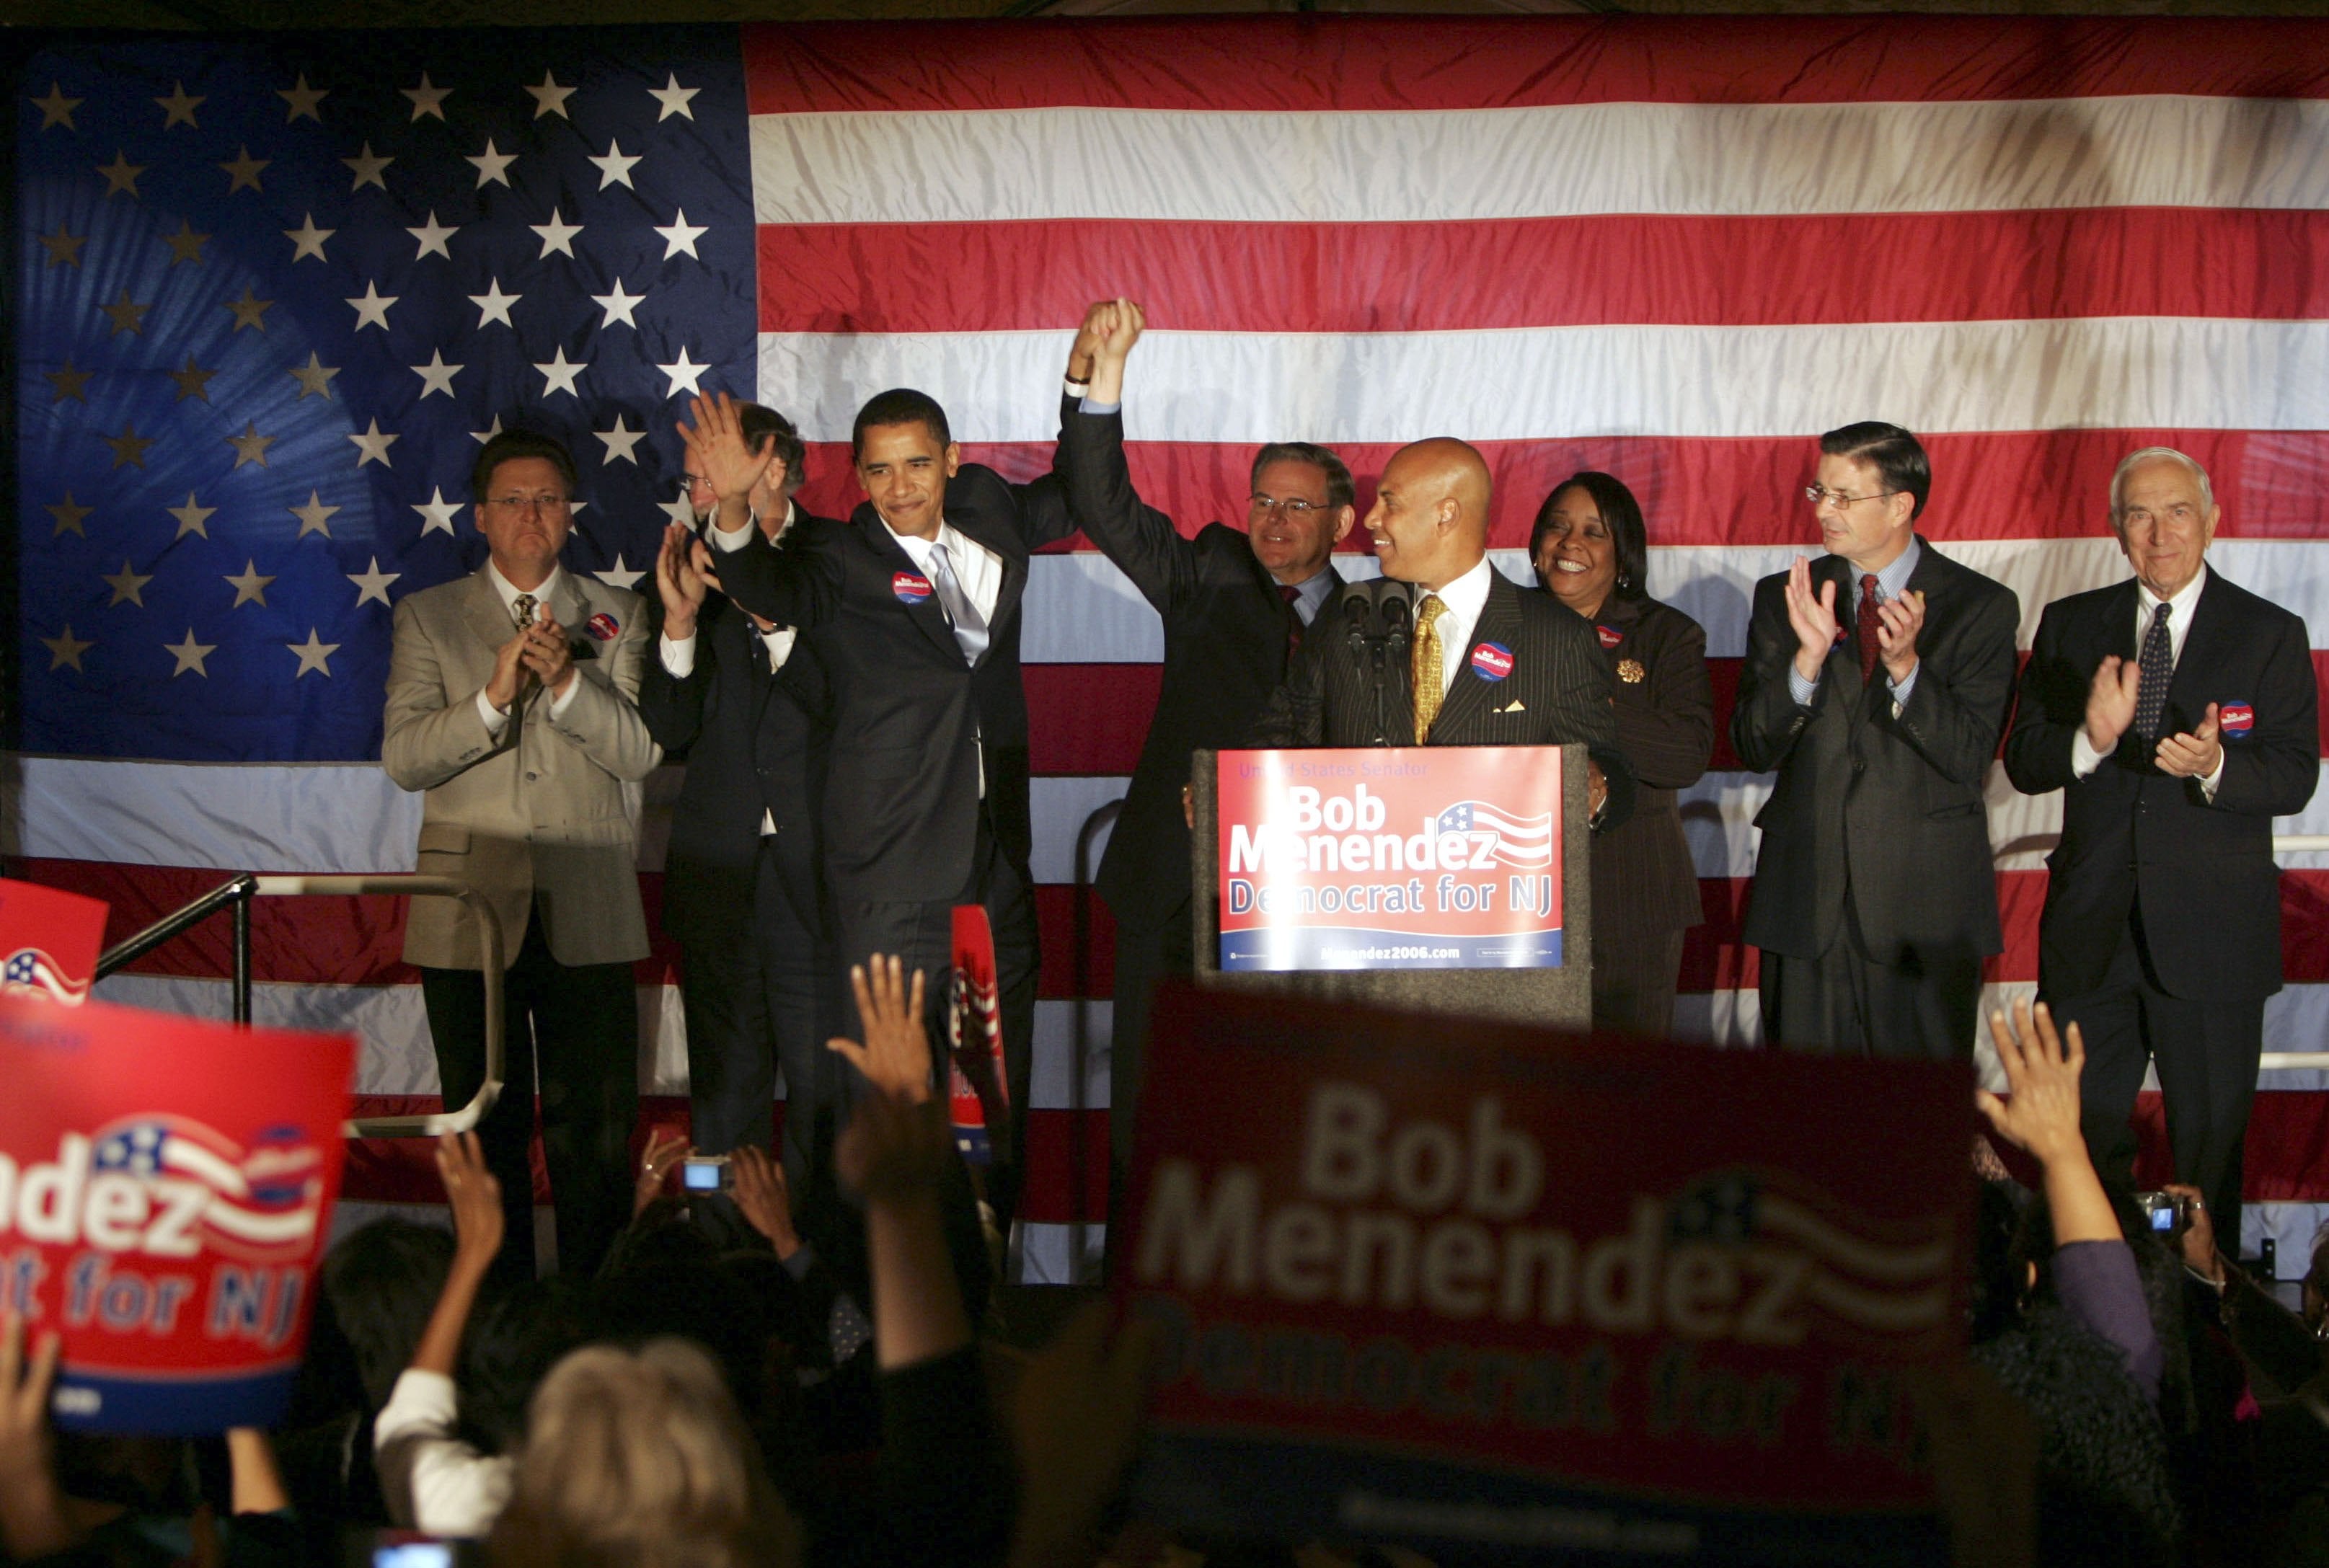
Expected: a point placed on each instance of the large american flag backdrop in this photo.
(271, 292)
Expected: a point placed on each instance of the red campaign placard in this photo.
(1488, 1291)
(978, 1091)
(1399, 858)
(49, 941)
(166, 1192)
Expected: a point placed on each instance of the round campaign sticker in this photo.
(604, 627)
(1610, 635)
(2235, 718)
(1492, 661)
(910, 587)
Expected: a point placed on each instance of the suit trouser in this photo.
(921, 933)
(2206, 1053)
(1149, 946)
(1919, 1004)
(765, 995)
(575, 1029)
(1634, 982)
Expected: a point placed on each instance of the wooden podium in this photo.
(1499, 977)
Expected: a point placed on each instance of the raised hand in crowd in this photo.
(764, 1197)
(2040, 1116)
(33, 1518)
(1812, 618)
(664, 1152)
(895, 1056)
(1089, 333)
(1075, 1418)
(718, 453)
(476, 1198)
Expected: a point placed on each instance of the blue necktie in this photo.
(969, 625)
(2158, 666)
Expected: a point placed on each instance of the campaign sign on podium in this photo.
(1503, 1295)
(1400, 858)
(166, 1192)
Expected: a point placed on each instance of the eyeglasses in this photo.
(688, 482)
(1816, 494)
(548, 505)
(1296, 509)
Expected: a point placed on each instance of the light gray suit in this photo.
(544, 816)
(541, 819)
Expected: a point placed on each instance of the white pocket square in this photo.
(1514, 706)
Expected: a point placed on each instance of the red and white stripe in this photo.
(1675, 250)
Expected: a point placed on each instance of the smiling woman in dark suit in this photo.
(1591, 552)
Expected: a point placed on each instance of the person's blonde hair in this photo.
(638, 1458)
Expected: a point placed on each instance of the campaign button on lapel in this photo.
(603, 626)
(1610, 635)
(911, 587)
(2235, 718)
(1492, 661)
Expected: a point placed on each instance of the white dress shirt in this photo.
(452, 1489)
(497, 720)
(2084, 757)
(1460, 604)
(978, 570)
(678, 654)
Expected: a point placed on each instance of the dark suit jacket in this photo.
(2203, 872)
(1644, 884)
(910, 716)
(1226, 633)
(754, 743)
(1894, 800)
(1558, 689)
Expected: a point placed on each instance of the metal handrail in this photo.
(239, 891)
(2282, 844)
(490, 961)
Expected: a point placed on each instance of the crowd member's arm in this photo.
(33, 1518)
(2272, 1340)
(255, 1480)
(945, 1479)
(2093, 1267)
(431, 1480)
(678, 676)
(1077, 1416)
(765, 1200)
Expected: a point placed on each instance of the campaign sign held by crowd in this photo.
(165, 1191)
(1406, 857)
(49, 941)
(1498, 1295)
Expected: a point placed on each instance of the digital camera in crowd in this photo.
(705, 1173)
(2170, 1213)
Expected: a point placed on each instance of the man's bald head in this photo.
(1431, 516)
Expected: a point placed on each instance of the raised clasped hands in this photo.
(1813, 618)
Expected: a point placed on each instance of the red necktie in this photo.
(1869, 627)
(1292, 595)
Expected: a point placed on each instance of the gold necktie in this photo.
(1428, 685)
